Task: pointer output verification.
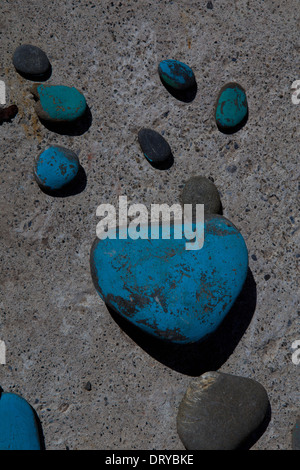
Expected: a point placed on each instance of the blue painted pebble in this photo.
(155, 148)
(231, 108)
(18, 424)
(58, 103)
(31, 60)
(176, 74)
(172, 293)
(55, 168)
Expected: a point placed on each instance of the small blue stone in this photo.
(18, 424)
(176, 74)
(55, 168)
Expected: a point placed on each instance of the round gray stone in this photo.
(220, 411)
(200, 190)
(31, 60)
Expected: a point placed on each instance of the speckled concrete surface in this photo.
(59, 335)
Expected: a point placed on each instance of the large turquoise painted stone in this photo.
(176, 74)
(231, 108)
(170, 292)
(18, 424)
(56, 167)
(58, 103)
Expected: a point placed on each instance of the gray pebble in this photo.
(31, 60)
(220, 411)
(200, 190)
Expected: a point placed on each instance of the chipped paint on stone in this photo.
(196, 289)
(56, 167)
(58, 103)
(176, 74)
(231, 106)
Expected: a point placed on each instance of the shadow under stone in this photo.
(233, 130)
(208, 354)
(74, 128)
(37, 78)
(165, 165)
(74, 187)
(40, 429)
(186, 96)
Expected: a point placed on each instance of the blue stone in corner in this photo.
(18, 424)
(175, 294)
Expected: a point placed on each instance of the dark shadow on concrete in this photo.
(74, 187)
(206, 355)
(165, 165)
(74, 128)
(40, 430)
(256, 435)
(235, 129)
(186, 96)
(37, 78)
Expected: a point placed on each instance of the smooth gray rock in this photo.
(31, 60)
(200, 190)
(220, 411)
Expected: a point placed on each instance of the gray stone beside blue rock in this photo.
(201, 190)
(221, 411)
(31, 61)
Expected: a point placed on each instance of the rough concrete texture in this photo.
(58, 333)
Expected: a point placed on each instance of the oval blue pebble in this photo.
(231, 108)
(175, 294)
(55, 168)
(176, 74)
(18, 424)
(31, 60)
(58, 103)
